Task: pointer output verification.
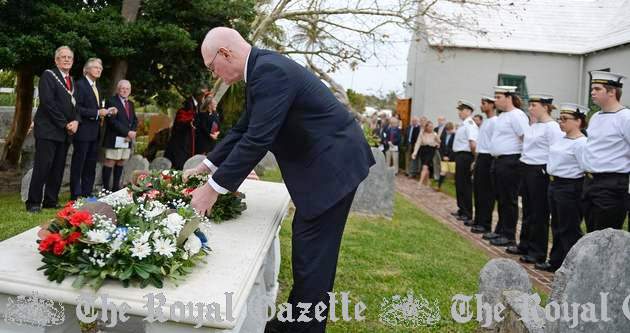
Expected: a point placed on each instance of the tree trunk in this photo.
(129, 12)
(21, 118)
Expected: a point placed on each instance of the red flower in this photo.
(66, 213)
(142, 177)
(69, 203)
(46, 243)
(188, 191)
(81, 217)
(59, 247)
(166, 177)
(152, 194)
(72, 238)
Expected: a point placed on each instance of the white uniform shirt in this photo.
(564, 158)
(466, 132)
(607, 148)
(537, 141)
(485, 135)
(508, 131)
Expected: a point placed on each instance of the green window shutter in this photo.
(517, 81)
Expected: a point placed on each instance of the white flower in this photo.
(115, 245)
(143, 238)
(192, 245)
(98, 236)
(140, 250)
(174, 223)
(165, 247)
(165, 172)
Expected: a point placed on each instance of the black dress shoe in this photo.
(468, 222)
(477, 229)
(530, 260)
(490, 235)
(501, 241)
(515, 250)
(48, 206)
(545, 266)
(274, 326)
(33, 209)
(456, 214)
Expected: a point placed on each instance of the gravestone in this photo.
(135, 162)
(160, 163)
(194, 161)
(597, 263)
(499, 275)
(375, 195)
(26, 182)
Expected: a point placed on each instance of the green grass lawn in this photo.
(13, 216)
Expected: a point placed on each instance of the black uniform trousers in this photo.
(606, 199)
(48, 165)
(315, 247)
(565, 203)
(463, 183)
(535, 226)
(507, 181)
(483, 187)
(83, 168)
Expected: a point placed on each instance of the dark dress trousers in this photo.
(85, 141)
(206, 121)
(54, 112)
(322, 155)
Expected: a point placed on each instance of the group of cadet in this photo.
(565, 170)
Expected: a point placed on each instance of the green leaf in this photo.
(141, 272)
(79, 281)
(126, 274)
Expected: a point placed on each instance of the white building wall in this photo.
(617, 59)
(439, 79)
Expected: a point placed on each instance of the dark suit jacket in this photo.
(119, 124)
(320, 148)
(415, 131)
(87, 106)
(446, 146)
(55, 108)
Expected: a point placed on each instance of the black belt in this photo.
(500, 157)
(463, 152)
(565, 180)
(533, 166)
(598, 175)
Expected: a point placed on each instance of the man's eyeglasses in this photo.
(210, 66)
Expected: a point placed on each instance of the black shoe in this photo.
(545, 266)
(502, 241)
(515, 250)
(274, 326)
(462, 217)
(490, 235)
(33, 209)
(477, 229)
(468, 222)
(456, 214)
(54, 206)
(530, 260)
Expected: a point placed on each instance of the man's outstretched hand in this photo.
(203, 198)
(198, 170)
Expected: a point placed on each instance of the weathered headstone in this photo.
(194, 161)
(597, 263)
(98, 174)
(375, 195)
(135, 162)
(26, 182)
(499, 275)
(160, 163)
(522, 314)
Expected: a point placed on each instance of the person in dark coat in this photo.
(181, 144)
(91, 107)
(321, 150)
(120, 133)
(56, 121)
(208, 129)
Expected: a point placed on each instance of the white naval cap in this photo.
(488, 98)
(574, 108)
(462, 103)
(541, 98)
(607, 78)
(505, 89)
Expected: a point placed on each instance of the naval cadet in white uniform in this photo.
(506, 147)
(464, 146)
(606, 156)
(566, 177)
(485, 195)
(543, 132)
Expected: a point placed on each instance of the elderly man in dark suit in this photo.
(320, 148)
(91, 107)
(56, 120)
(120, 133)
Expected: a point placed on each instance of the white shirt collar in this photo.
(90, 81)
(246, 61)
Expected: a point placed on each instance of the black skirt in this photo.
(426, 155)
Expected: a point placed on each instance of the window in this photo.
(517, 81)
(594, 107)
